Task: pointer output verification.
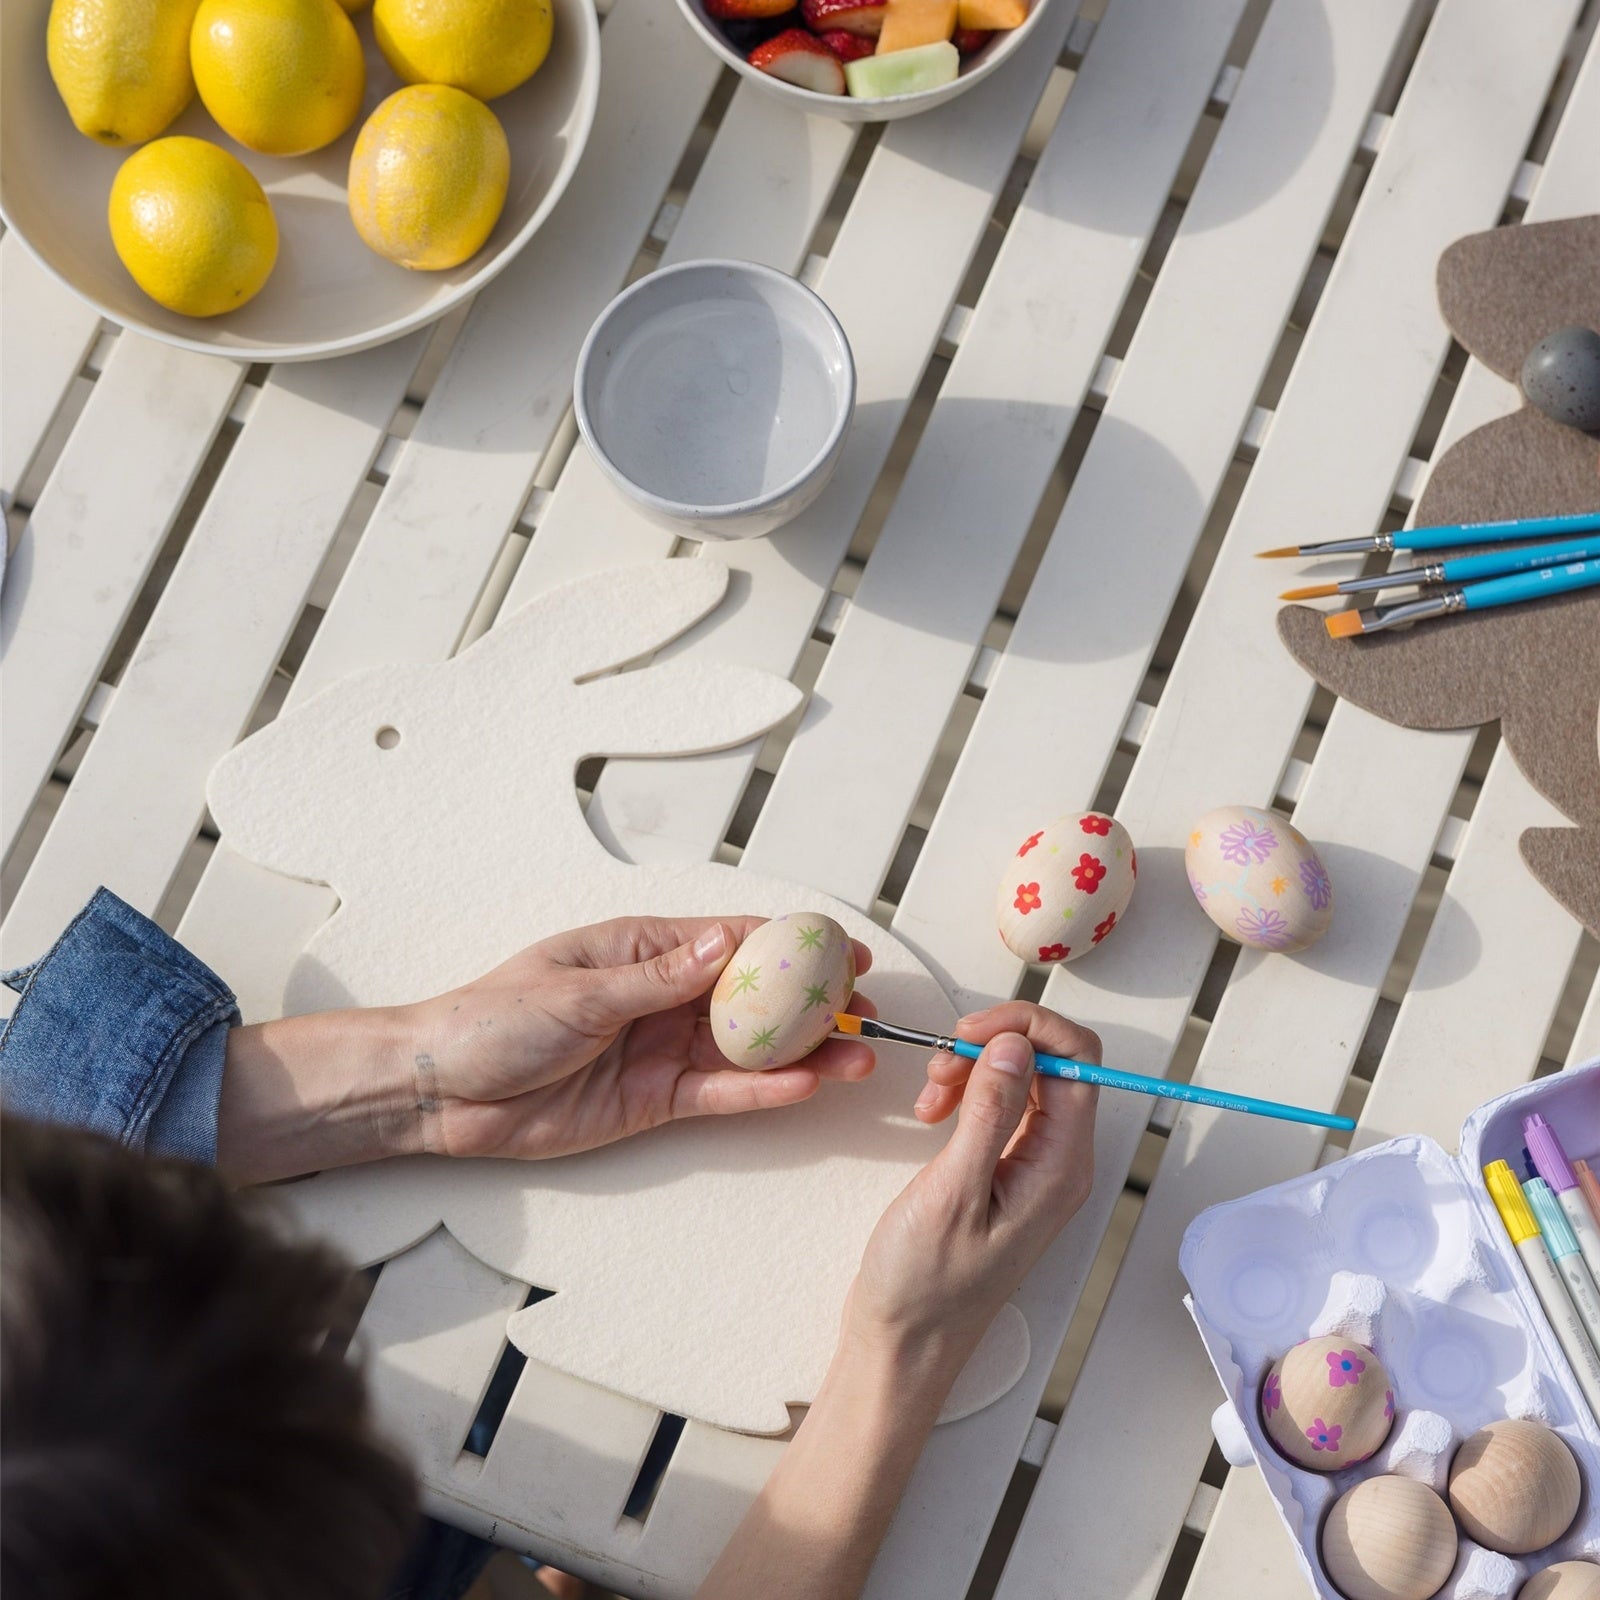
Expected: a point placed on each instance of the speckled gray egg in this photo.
(1561, 377)
(774, 1002)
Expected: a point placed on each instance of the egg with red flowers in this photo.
(1066, 888)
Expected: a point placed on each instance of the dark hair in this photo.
(173, 1421)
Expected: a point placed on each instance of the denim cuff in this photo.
(119, 1030)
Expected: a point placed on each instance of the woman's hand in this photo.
(577, 1041)
(596, 1034)
(966, 1230)
(949, 1250)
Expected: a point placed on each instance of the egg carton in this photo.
(1400, 1248)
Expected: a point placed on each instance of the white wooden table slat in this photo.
(461, 479)
(1234, 700)
(48, 332)
(92, 537)
(1569, 184)
(213, 640)
(917, 217)
(1586, 1038)
(987, 451)
(1255, 1560)
(759, 196)
(1141, 496)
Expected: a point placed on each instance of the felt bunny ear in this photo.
(605, 620)
(679, 708)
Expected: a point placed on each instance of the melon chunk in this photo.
(929, 66)
(908, 24)
(991, 13)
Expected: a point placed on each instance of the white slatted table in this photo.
(1158, 295)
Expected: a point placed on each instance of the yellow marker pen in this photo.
(1563, 1317)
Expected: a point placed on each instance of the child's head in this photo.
(173, 1422)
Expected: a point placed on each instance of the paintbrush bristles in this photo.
(1272, 555)
(844, 1022)
(1342, 624)
(1317, 591)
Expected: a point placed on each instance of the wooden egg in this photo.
(1257, 877)
(1514, 1486)
(1566, 1580)
(1389, 1538)
(774, 1002)
(1066, 888)
(1327, 1404)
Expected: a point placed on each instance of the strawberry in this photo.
(847, 46)
(969, 41)
(802, 59)
(746, 10)
(864, 17)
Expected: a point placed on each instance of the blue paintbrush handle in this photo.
(1518, 558)
(1531, 585)
(1111, 1078)
(1451, 534)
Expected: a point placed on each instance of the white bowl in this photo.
(716, 395)
(846, 108)
(328, 293)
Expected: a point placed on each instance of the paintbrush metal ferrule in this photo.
(1410, 577)
(1382, 543)
(872, 1028)
(1434, 605)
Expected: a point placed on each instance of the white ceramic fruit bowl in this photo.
(328, 294)
(974, 69)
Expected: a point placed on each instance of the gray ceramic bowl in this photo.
(716, 396)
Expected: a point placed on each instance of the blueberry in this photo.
(746, 33)
(1561, 377)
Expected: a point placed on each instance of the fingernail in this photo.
(710, 945)
(925, 1100)
(1011, 1054)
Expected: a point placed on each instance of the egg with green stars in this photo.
(774, 1003)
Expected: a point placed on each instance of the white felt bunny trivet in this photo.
(702, 1266)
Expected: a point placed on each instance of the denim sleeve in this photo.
(120, 1030)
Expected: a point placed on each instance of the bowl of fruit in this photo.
(281, 180)
(864, 60)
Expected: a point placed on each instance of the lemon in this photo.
(428, 176)
(486, 47)
(121, 66)
(192, 225)
(282, 76)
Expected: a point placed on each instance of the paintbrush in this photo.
(1447, 536)
(1088, 1072)
(1461, 569)
(1469, 597)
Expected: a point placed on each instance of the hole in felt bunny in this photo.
(386, 738)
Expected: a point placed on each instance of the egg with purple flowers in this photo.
(1259, 879)
(775, 1000)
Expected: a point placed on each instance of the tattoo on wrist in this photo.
(427, 1078)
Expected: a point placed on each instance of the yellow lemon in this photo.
(428, 176)
(486, 47)
(192, 225)
(282, 76)
(121, 66)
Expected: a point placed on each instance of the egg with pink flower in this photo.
(1259, 879)
(1327, 1403)
(1066, 888)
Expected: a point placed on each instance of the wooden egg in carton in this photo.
(1398, 1252)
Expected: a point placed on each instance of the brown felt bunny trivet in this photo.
(1535, 667)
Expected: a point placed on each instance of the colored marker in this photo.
(1550, 1162)
(1590, 1186)
(1559, 1310)
(1562, 1244)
